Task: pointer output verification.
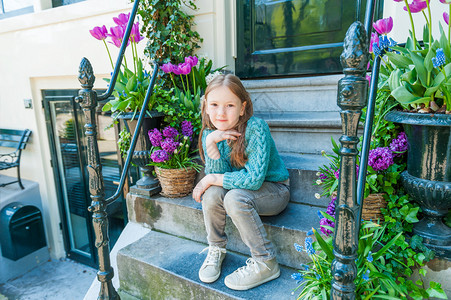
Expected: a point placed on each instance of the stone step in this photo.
(303, 132)
(306, 94)
(162, 266)
(183, 217)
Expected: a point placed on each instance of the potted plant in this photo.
(173, 160)
(418, 76)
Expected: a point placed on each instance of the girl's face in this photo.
(224, 108)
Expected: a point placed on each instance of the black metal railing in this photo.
(88, 100)
(352, 98)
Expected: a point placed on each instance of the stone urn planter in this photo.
(141, 155)
(428, 176)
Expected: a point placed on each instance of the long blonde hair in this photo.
(238, 156)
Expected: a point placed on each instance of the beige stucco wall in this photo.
(43, 50)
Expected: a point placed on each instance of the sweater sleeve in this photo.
(215, 166)
(252, 176)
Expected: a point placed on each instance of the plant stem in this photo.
(449, 23)
(172, 78)
(109, 55)
(413, 26)
(430, 36)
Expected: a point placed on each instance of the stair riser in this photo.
(303, 189)
(304, 140)
(148, 282)
(188, 222)
(294, 94)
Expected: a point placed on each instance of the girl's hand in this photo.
(219, 135)
(205, 183)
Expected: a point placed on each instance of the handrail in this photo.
(135, 136)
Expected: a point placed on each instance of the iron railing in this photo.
(352, 97)
(88, 100)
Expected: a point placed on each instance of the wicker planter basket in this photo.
(176, 182)
(372, 205)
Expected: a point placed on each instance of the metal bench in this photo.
(13, 139)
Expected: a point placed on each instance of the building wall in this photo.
(43, 50)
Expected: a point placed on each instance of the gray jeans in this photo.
(244, 207)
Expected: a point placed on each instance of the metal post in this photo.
(88, 101)
(352, 97)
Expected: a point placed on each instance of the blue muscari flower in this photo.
(376, 49)
(370, 257)
(439, 59)
(310, 232)
(308, 246)
(383, 42)
(297, 276)
(319, 214)
(146, 74)
(305, 267)
(318, 276)
(366, 276)
(392, 42)
(298, 247)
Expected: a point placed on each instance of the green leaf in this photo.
(431, 53)
(418, 61)
(436, 291)
(387, 246)
(324, 246)
(131, 84)
(412, 215)
(403, 96)
(394, 81)
(399, 60)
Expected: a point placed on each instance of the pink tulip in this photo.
(446, 18)
(122, 19)
(99, 33)
(167, 68)
(383, 26)
(176, 70)
(446, 1)
(185, 68)
(417, 6)
(135, 36)
(398, 0)
(374, 39)
(191, 60)
(117, 34)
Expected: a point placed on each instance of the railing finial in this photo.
(86, 74)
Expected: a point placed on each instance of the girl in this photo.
(245, 178)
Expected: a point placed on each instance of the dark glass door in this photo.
(65, 121)
(293, 37)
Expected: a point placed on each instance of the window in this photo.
(57, 3)
(11, 8)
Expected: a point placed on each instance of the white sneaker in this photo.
(253, 274)
(211, 268)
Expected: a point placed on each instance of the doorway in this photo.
(65, 129)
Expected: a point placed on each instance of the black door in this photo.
(293, 37)
(65, 121)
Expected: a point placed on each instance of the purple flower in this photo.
(191, 60)
(399, 145)
(323, 176)
(176, 70)
(446, 1)
(374, 39)
(135, 36)
(446, 18)
(185, 68)
(187, 128)
(167, 68)
(170, 132)
(383, 26)
(155, 137)
(169, 145)
(417, 6)
(99, 33)
(324, 221)
(122, 19)
(380, 158)
(159, 156)
(117, 34)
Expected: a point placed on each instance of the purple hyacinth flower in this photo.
(187, 128)
(383, 26)
(417, 6)
(155, 137)
(399, 145)
(99, 33)
(159, 156)
(169, 145)
(323, 176)
(170, 132)
(380, 158)
(122, 19)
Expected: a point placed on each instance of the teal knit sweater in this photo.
(264, 162)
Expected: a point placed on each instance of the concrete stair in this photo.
(302, 115)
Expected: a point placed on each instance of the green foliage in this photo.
(168, 29)
(124, 142)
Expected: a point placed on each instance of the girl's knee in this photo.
(212, 196)
(235, 201)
